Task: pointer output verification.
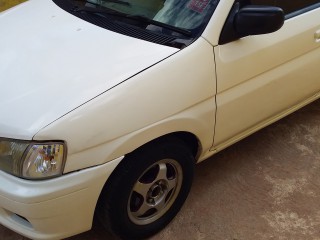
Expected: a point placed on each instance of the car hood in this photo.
(52, 62)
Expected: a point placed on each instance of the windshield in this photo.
(185, 14)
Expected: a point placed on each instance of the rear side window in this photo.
(290, 7)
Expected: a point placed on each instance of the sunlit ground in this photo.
(5, 4)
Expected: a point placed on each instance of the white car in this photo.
(106, 105)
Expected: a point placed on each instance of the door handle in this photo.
(317, 36)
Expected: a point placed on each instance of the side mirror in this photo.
(251, 20)
(254, 20)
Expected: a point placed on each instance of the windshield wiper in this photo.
(113, 1)
(183, 31)
(108, 11)
(102, 10)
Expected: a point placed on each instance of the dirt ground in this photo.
(265, 187)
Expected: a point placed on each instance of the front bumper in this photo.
(55, 208)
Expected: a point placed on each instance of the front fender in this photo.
(162, 99)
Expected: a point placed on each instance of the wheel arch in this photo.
(189, 139)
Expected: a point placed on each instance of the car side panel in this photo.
(259, 78)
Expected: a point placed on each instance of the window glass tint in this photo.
(288, 6)
(187, 14)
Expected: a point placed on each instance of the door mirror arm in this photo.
(251, 20)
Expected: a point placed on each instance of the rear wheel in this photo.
(147, 189)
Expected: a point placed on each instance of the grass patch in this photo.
(5, 4)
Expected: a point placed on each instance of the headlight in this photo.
(32, 160)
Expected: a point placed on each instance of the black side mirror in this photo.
(254, 20)
(251, 20)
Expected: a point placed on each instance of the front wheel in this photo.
(147, 189)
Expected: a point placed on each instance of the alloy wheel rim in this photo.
(155, 192)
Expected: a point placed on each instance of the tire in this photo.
(147, 189)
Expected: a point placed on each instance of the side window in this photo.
(289, 6)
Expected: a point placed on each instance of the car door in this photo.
(262, 78)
